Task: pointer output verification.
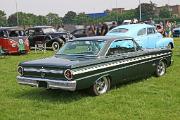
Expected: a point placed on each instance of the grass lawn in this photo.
(150, 99)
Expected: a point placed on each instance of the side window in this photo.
(121, 46)
(79, 32)
(1, 33)
(13, 34)
(142, 32)
(150, 31)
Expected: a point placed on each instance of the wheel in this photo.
(169, 46)
(160, 69)
(101, 86)
(55, 46)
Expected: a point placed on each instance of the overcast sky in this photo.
(43, 7)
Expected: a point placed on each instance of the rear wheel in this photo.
(160, 68)
(55, 46)
(101, 86)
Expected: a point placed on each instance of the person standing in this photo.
(104, 29)
(113, 25)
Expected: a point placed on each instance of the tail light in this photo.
(68, 74)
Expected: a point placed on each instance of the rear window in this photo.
(119, 30)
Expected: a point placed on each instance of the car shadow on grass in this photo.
(62, 96)
(38, 94)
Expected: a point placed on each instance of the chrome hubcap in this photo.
(161, 68)
(55, 46)
(102, 85)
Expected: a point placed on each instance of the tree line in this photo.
(71, 17)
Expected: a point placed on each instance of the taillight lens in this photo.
(20, 70)
(68, 74)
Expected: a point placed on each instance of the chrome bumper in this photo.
(54, 84)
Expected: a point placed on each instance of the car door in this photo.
(153, 37)
(142, 38)
(126, 51)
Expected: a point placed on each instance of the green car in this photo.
(96, 63)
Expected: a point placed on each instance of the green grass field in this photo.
(150, 99)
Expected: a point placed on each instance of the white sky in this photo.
(61, 7)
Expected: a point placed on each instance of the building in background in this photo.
(174, 9)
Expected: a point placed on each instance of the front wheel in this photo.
(101, 86)
(160, 69)
(169, 46)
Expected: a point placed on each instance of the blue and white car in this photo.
(145, 35)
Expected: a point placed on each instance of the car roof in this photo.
(106, 38)
(40, 27)
(11, 28)
(134, 26)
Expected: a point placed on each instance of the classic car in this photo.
(79, 33)
(47, 35)
(96, 63)
(145, 35)
(13, 40)
(176, 31)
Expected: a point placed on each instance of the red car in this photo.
(13, 40)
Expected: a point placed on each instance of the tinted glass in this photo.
(82, 47)
(121, 46)
(119, 30)
(150, 31)
(142, 32)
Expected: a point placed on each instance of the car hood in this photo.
(58, 61)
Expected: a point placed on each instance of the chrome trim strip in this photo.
(54, 84)
(112, 64)
(118, 68)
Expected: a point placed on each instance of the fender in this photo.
(164, 42)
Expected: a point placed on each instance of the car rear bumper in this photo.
(47, 83)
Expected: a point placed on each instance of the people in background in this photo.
(60, 28)
(91, 30)
(113, 25)
(104, 29)
(168, 29)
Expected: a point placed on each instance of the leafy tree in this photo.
(165, 13)
(3, 18)
(53, 19)
(69, 17)
(148, 10)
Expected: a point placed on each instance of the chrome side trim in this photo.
(54, 84)
(112, 64)
(118, 68)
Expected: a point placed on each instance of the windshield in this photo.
(82, 47)
(119, 30)
(16, 33)
(49, 30)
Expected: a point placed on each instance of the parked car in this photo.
(145, 35)
(13, 40)
(79, 33)
(48, 35)
(96, 63)
(176, 31)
